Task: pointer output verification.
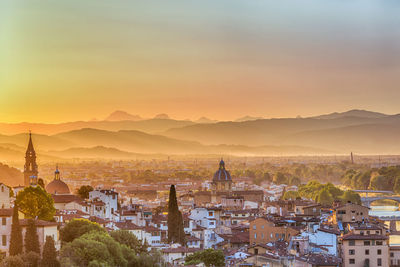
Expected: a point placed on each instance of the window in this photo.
(210, 213)
(367, 243)
(379, 243)
(262, 235)
(254, 227)
(4, 241)
(352, 242)
(255, 236)
(352, 261)
(379, 251)
(352, 252)
(377, 232)
(262, 226)
(277, 236)
(391, 254)
(256, 251)
(367, 252)
(3, 221)
(362, 233)
(379, 262)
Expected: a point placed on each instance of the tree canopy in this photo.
(84, 191)
(127, 238)
(78, 227)
(209, 257)
(35, 202)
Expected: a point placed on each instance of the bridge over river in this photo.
(367, 200)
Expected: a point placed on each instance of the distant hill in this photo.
(122, 116)
(149, 126)
(98, 152)
(94, 143)
(205, 120)
(248, 118)
(359, 131)
(342, 134)
(10, 176)
(353, 113)
(162, 116)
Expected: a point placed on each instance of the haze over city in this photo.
(230, 133)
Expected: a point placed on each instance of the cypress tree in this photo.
(16, 245)
(176, 232)
(49, 257)
(31, 238)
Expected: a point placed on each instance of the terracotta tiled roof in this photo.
(6, 212)
(180, 250)
(127, 226)
(352, 236)
(65, 198)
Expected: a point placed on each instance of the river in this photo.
(388, 211)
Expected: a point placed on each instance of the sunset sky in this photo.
(71, 60)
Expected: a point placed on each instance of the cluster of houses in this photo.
(249, 226)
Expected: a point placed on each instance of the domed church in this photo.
(57, 187)
(222, 180)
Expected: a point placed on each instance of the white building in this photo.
(110, 200)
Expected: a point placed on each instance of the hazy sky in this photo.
(64, 60)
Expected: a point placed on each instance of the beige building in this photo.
(4, 196)
(263, 231)
(359, 250)
(350, 213)
(394, 256)
(44, 229)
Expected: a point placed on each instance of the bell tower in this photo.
(30, 168)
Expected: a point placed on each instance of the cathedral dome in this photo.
(57, 187)
(222, 174)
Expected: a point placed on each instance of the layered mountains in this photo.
(360, 131)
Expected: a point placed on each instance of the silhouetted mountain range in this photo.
(123, 116)
(356, 130)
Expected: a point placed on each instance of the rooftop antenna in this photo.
(352, 157)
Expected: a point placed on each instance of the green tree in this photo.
(41, 183)
(291, 195)
(294, 181)
(396, 187)
(78, 227)
(35, 202)
(97, 249)
(209, 257)
(12, 261)
(176, 233)
(351, 196)
(280, 178)
(16, 243)
(31, 259)
(127, 238)
(324, 197)
(31, 238)
(49, 256)
(380, 182)
(84, 191)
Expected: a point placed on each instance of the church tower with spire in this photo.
(30, 168)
